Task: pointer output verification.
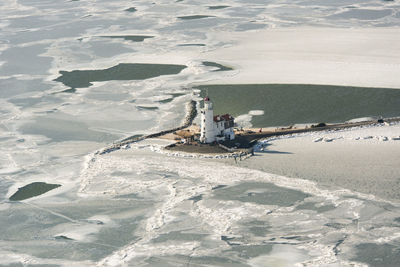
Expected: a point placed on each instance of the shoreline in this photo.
(249, 138)
(245, 139)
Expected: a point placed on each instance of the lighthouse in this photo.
(215, 128)
(207, 134)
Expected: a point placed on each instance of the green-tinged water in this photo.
(217, 65)
(122, 71)
(131, 9)
(32, 190)
(286, 104)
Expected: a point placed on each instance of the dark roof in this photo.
(225, 117)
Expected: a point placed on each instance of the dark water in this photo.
(214, 64)
(194, 17)
(122, 71)
(148, 108)
(218, 7)
(131, 9)
(191, 45)
(32, 190)
(133, 38)
(286, 104)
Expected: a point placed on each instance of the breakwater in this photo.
(244, 142)
(252, 138)
(191, 113)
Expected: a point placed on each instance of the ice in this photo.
(342, 152)
(221, 217)
(143, 205)
(245, 119)
(271, 58)
(280, 255)
(256, 112)
(361, 119)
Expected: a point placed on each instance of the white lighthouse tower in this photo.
(207, 133)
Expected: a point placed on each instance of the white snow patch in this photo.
(256, 112)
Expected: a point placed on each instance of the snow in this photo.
(363, 159)
(367, 57)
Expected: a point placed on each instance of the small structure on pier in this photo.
(215, 128)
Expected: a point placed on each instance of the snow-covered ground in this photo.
(137, 207)
(205, 205)
(367, 57)
(364, 159)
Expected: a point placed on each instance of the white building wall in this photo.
(209, 129)
(207, 134)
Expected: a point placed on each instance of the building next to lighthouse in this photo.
(215, 128)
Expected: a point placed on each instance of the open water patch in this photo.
(131, 9)
(191, 45)
(217, 65)
(120, 72)
(147, 107)
(32, 190)
(63, 237)
(287, 104)
(217, 7)
(133, 38)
